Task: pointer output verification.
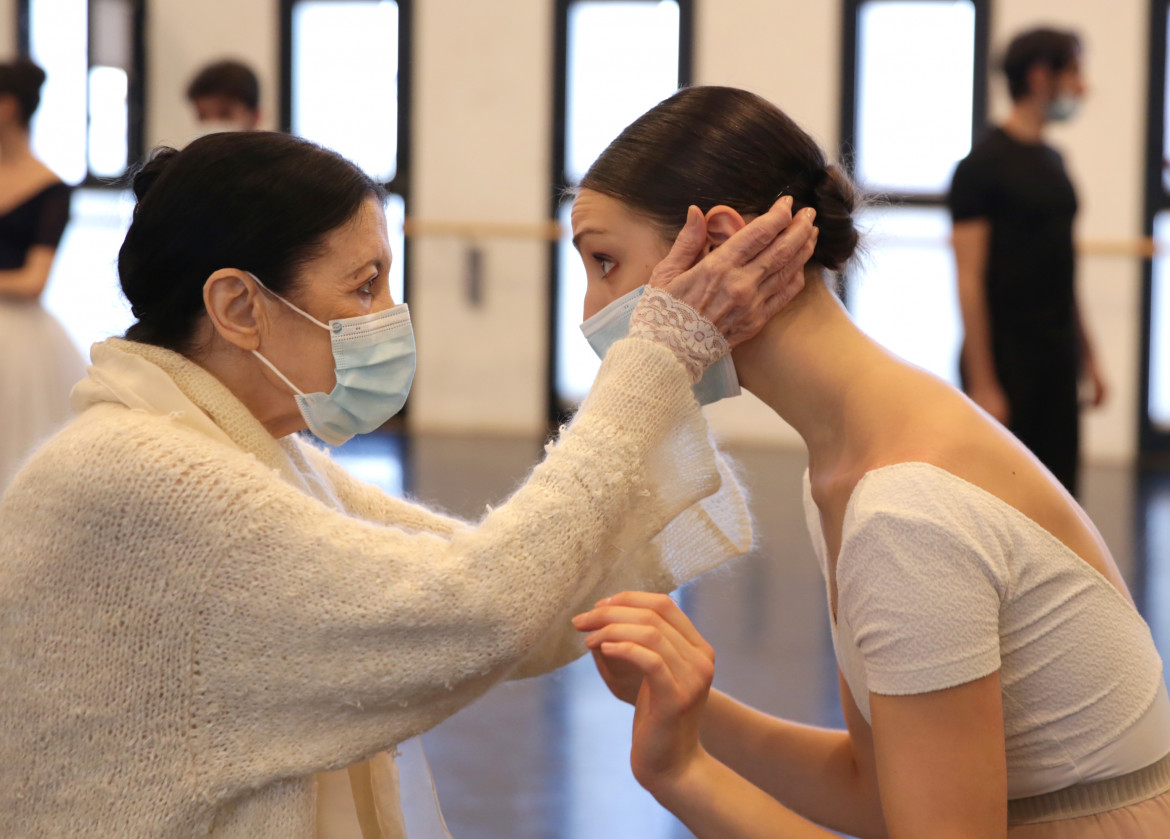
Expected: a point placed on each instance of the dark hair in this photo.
(22, 79)
(257, 201)
(228, 78)
(1053, 49)
(720, 145)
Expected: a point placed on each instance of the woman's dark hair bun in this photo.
(835, 199)
(145, 175)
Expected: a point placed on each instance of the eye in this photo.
(368, 286)
(605, 262)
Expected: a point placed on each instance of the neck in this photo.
(817, 370)
(1026, 122)
(14, 144)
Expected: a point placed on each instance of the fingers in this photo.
(755, 237)
(687, 247)
(654, 669)
(655, 623)
(679, 674)
(792, 248)
(645, 608)
(782, 286)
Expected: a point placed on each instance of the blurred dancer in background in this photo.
(38, 362)
(1025, 346)
(226, 97)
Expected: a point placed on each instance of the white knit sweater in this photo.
(195, 617)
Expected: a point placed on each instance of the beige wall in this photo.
(7, 27)
(482, 111)
(482, 105)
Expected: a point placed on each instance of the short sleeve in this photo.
(922, 602)
(970, 194)
(52, 217)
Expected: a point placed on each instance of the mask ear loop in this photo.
(268, 363)
(283, 377)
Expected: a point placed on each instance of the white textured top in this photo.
(196, 618)
(940, 583)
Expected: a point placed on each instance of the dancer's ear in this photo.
(722, 223)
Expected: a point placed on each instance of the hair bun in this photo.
(835, 199)
(145, 175)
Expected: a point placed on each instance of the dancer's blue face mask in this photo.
(612, 324)
(374, 360)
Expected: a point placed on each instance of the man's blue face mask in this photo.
(612, 324)
(374, 360)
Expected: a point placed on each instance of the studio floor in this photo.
(547, 758)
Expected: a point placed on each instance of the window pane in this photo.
(903, 290)
(112, 59)
(395, 215)
(83, 291)
(109, 117)
(915, 75)
(345, 80)
(58, 42)
(1160, 328)
(622, 60)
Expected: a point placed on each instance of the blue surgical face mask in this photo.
(1064, 107)
(612, 324)
(374, 360)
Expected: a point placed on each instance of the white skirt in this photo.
(38, 367)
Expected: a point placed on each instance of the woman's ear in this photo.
(722, 223)
(232, 300)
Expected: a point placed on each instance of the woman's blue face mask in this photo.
(374, 361)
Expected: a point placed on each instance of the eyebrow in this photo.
(376, 262)
(586, 232)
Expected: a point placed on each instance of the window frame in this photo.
(559, 179)
(135, 93)
(400, 183)
(1152, 441)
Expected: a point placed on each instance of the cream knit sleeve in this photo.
(708, 533)
(321, 639)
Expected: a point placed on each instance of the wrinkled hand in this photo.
(740, 285)
(645, 640)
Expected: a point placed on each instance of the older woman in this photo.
(201, 616)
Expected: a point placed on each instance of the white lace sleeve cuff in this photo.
(668, 321)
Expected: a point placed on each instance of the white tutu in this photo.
(38, 367)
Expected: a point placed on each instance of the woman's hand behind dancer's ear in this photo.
(743, 283)
(646, 639)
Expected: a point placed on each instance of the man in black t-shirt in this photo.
(1025, 346)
